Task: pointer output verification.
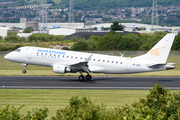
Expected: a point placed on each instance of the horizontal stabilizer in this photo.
(156, 66)
(168, 66)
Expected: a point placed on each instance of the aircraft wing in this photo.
(81, 66)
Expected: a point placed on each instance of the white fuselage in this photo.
(98, 63)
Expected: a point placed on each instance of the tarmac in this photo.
(99, 82)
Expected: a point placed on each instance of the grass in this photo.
(56, 99)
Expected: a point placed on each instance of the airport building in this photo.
(4, 31)
(131, 26)
(51, 28)
(72, 28)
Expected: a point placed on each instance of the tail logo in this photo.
(156, 51)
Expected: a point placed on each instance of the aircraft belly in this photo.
(96, 69)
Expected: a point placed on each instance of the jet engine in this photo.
(61, 69)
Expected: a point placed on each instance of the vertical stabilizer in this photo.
(159, 53)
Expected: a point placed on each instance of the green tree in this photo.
(128, 13)
(149, 40)
(80, 45)
(129, 42)
(80, 109)
(1, 38)
(116, 26)
(109, 41)
(92, 42)
(13, 113)
(159, 104)
(95, 28)
(11, 33)
(14, 39)
(40, 37)
(176, 44)
(59, 37)
(28, 30)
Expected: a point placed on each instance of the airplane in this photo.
(64, 61)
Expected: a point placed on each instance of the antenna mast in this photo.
(154, 9)
(43, 15)
(71, 12)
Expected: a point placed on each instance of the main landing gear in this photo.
(88, 77)
(24, 71)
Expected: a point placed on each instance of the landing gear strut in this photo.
(24, 71)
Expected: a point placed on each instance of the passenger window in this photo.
(94, 59)
(67, 56)
(58, 55)
(81, 57)
(71, 56)
(76, 57)
(46, 54)
(49, 54)
(108, 61)
(63, 56)
(120, 62)
(116, 62)
(99, 60)
(37, 53)
(54, 55)
(103, 60)
(41, 53)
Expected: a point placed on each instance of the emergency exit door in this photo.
(128, 64)
(29, 53)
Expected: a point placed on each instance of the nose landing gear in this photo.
(24, 71)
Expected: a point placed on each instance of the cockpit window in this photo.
(17, 50)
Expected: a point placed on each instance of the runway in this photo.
(68, 82)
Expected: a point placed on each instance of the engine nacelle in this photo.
(61, 69)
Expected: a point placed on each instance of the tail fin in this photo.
(159, 53)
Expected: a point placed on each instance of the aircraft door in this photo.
(29, 54)
(128, 64)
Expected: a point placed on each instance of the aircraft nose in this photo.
(6, 56)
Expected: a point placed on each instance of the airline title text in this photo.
(51, 52)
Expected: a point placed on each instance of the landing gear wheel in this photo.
(81, 77)
(25, 65)
(88, 77)
(24, 71)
